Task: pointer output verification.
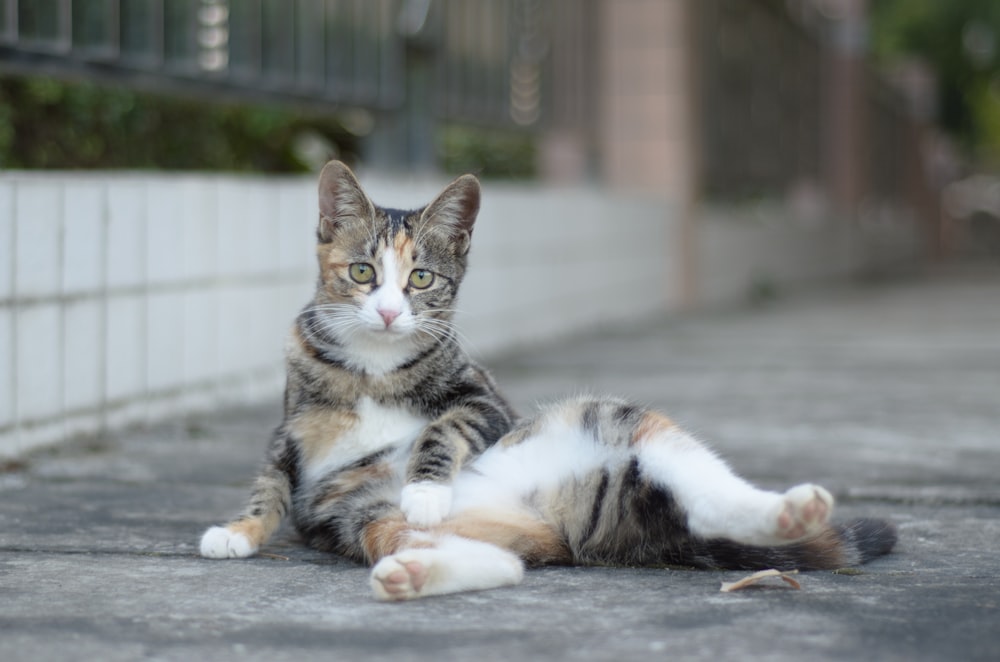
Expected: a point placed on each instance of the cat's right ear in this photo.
(340, 200)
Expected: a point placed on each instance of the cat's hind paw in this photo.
(425, 503)
(399, 577)
(805, 511)
(453, 565)
(218, 542)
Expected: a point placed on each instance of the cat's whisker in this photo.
(433, 326)
(341, 325)
(333, 319)
(334, 307)
(313, 335)
(451, 311)
(439, 334)
(330, 322)
(438, 338)
(325, 321)
(327, 317)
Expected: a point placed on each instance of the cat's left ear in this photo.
(455, 209)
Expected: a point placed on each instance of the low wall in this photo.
(743, 251)
(131, 298)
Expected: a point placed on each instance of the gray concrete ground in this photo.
(889, 395)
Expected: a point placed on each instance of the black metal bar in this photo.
(331, 55)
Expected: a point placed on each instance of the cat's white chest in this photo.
(376, 356)
(378, 427)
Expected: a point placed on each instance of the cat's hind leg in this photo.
(717, 502)
(449, 564)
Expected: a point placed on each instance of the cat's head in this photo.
(387, 274)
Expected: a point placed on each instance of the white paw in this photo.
(454, 565)
(221, 543)
(805, 511)
(402, 576)
(425, 503)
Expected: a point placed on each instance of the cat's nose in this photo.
(388, 315)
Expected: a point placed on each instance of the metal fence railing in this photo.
(763, 123)
(321, 52)
(767, 124)
(760, 81)
(492, 60)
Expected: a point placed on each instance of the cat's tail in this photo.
(839, 546)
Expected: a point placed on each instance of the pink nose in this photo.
(388, 316)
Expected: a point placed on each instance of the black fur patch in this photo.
(591, 418)
(597, 508)
(398, 220)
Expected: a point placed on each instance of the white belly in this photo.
(503, 476)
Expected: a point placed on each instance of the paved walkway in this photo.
(888, 395)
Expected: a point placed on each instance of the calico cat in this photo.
(398, 451)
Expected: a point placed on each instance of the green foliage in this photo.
(961, 40)
(47, 123)
(489, 153)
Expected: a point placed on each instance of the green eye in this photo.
(421, 278)
(362, 273)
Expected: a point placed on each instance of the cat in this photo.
(398, 451)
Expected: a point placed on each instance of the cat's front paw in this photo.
(805, 511)
(425, 503)
(218, 542)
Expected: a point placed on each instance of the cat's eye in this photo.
(362, 273)
(421, 279)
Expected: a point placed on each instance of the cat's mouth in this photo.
(392, 332)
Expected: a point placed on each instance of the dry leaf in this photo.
(276, 557)
(749, 580)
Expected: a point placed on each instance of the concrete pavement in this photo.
(889, 395)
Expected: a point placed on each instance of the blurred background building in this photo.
(641, 156)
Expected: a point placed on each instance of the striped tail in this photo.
(840, 546)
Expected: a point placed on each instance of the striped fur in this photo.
(397, 450)
(379, 394)
(619, 508)
(600, 481)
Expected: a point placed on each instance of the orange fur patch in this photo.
(651, 424)
(300, 348)
(317, 429)
(403, 245)
(331, 260)
(826, 550)
(527, 536)
(254, 528)
(389, 535)
(517, 436)
(349, 481)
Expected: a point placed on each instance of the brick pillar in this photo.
(845, 103)
(647, 133)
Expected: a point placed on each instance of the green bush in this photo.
(54, 124)
(489, 153)
(48, 123)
